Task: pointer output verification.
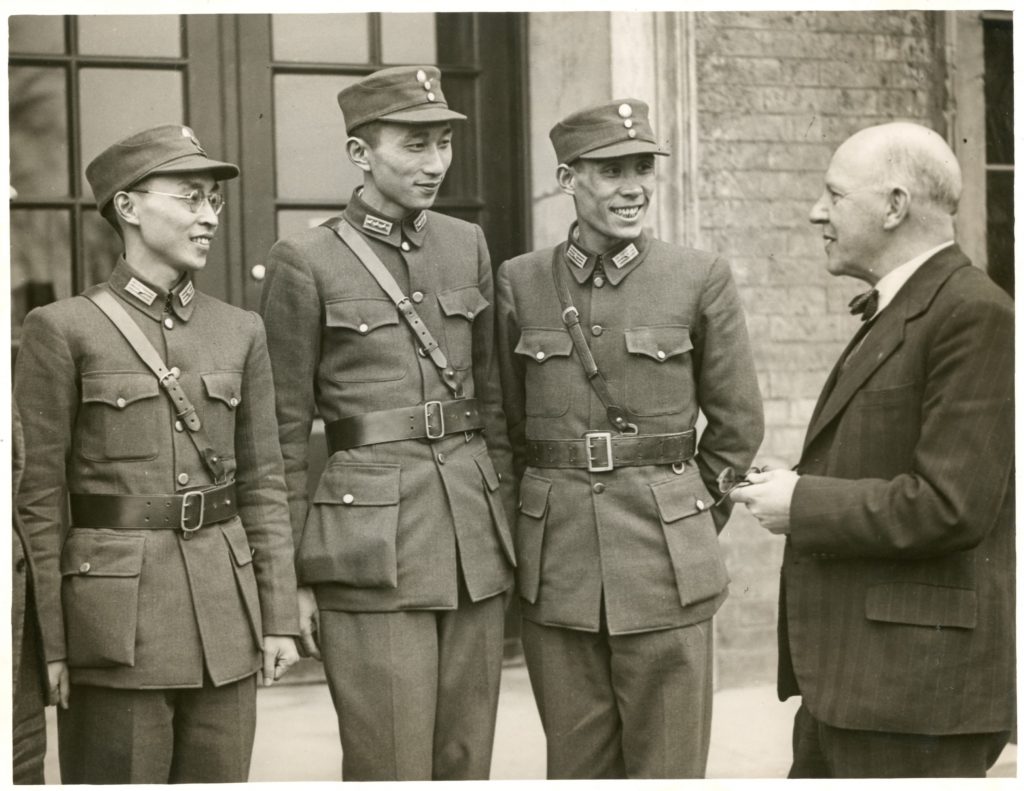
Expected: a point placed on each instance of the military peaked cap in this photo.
(612, 129)
(163, 149)
(403, 94)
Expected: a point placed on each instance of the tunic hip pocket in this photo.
(351, 533)
(100, 574)
(530, 527)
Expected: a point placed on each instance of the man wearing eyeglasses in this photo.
(896, 615)
(148, 409)
(380, 321)
(610, 345)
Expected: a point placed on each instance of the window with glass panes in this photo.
(998, 44)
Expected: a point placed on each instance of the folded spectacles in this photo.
(728, 480)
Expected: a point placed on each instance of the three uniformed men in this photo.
(380, 321)
(151, 405)
(610, 344)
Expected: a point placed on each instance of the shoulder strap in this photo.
(183, 408)
(351, 237)
(617, 416)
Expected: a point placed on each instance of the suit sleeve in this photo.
(262, 497)
(46, 392)
(486, 379)
(727, 390)
(290, 307)
(512, 372)
(961, 464)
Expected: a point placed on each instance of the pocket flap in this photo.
(466, 302)
(541, 345)
(234, 534)
(676, 498)
(486, 465)
(659, 343)
(360, 315)
(120, 389)
(359, 484)
(91, 553)
(533, 495)
(224, 386)
(918, 604)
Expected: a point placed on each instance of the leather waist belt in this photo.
(432, 420)
(187, 512)
(603, 451)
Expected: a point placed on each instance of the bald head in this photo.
(910, 156)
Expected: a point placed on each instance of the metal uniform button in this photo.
(176, 372)
(440, 458)
(121, 403)
(417, 296)
(661, 354)
(178, 425)
(430, 97)
(348, 499)
(233, 401)
(540, 355)
(405, 246)
(597, 329)
(85, 568)
(169, 323)
(469, 314)
(183, 478)
(598, 281)
(700, 504)
(598, 488)
(363, 328)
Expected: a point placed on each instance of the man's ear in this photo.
(124, 207)
(897, 208)
(358, 152)
(566, 177)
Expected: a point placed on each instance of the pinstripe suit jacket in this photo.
(897, 598)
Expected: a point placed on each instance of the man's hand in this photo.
(279, 654)
(768, 497)
(309, 623)
(60, 684)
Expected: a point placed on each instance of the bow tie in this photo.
(865, 304)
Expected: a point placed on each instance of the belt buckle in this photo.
(188, 531)
(432, 410)
(605, 439)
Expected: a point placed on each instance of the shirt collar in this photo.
(889, 285)
(617, 262)
(377, 225)
(150, 299)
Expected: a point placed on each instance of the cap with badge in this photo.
(402, 94)
(170, 148)
(613, 129)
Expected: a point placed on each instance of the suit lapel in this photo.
(884, 338)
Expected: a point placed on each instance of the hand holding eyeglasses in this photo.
(767, 495)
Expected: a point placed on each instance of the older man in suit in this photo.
(896, 622)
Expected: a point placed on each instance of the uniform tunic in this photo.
(391, 526)
(666, 329)
(146, 608)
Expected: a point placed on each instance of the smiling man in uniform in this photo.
(149, 403)
(610, 344)
(380, 322)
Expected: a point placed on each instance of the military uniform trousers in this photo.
(617, 706)
(196, 735)
(416, 691)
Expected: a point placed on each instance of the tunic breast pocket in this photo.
(461, 306)
(549, 370)
(659, 371)
(120, 416)
(363, 341)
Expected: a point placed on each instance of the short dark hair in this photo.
(370, 132)
(109, 213)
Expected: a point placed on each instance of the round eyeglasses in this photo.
(194, 199)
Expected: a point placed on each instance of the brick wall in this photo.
(777, 92)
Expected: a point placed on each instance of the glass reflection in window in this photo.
(321, 38)
(40, 261)
(408, 38)
(155, 36)
(119, 102)
(309, 135)
(37, 34)
(39, 132)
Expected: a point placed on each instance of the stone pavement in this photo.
(297, 735)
